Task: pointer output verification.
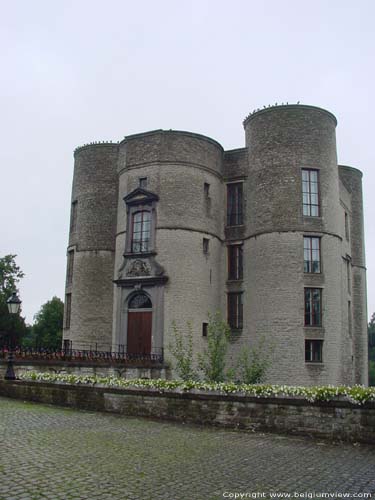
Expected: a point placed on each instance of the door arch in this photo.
(139, 331)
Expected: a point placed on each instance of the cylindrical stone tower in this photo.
(292, 308)
(183, 171)
(91, 250)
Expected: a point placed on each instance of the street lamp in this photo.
(14, 304)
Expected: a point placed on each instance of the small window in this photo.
(310, 193)
(314, 351)
(349, 276)
(141, 230)
(234, 204)
(70, 265)
(68, 309)
(206, 245)
(204, 329)
(350, 324)
(235, 262)
(235, 310)
(206, 189)
(346, 226)
(73, 216)
(313, 307)
(311, 250)
(143, 182)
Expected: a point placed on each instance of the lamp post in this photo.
(14, 304)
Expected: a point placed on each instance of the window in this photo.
(143, 182)
(313, 307)
(349, 276)
(346, 226)
(234, 204)
(69, 270)
(235, 310)
(235, 262)
(311, 251)
(350, 325)
(314, 351)
(73, 216)
(68, 309)
(204, 329)
(141, 229)
(140, 301)
(206, 245)
(310, 192)
(206, 189)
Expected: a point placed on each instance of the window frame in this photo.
(235, 310)
(235, 199)
(309, 204)
(312, 352)
(309, 312)
(142, 223)
(311, 250)
(235, 262)
(68, 310)
(70, 267)
(73, 216)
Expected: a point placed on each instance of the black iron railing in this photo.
(82, 355)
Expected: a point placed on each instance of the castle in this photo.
(167, 226)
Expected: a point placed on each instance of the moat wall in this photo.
(335, 420)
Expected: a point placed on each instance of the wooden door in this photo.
(139, 332)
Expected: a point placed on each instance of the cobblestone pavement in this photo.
(63, 454)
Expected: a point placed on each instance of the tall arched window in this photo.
(141, 231)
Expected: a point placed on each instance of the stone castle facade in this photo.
(167, 226)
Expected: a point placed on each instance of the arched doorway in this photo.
(139, 324)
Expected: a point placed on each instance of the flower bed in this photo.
(356, 394)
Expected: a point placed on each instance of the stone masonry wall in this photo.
(337, 420)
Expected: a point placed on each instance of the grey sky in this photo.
(78, 71)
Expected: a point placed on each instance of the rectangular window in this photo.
(349, 276)
(235, 262)
(141, 231)
(235, 310)
(68, 309)
(73, 216)
(69, 270)
(350, 317)
(313, 307)
(310, 192)
(311, 252)
(314, 351)
(204, 329)
(234, 204)
(143, 182)
(346, 226)
(206, 189)
(206, 245)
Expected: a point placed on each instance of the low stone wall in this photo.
(337, 420)
(104, 369)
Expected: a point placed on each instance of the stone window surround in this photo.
(131, 209)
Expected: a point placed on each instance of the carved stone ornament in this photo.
(138, 268)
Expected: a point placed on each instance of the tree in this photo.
(12, 326)
(371, 349)
(212, 360)
(46, 331)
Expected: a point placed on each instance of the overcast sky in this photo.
(78, 71)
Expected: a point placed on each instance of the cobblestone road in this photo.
(63, 454)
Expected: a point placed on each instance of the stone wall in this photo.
(338, 420)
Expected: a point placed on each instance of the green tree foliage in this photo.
(12, 326)
(253, 363)
(46, 331)
(212, 360)
(182, 350)
(371, 350)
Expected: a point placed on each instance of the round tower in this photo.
(89, 287)
(293, 248)
(176, 177)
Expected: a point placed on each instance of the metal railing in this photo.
(82, 355)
